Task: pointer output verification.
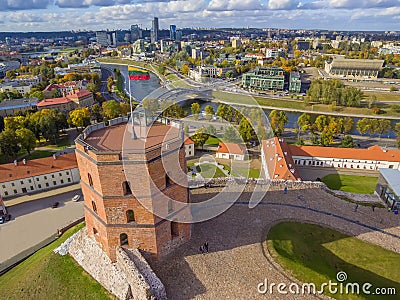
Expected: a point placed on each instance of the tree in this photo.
(200, 137)
(185, 69)
(195, 108)
(151, 104)
(315, 139)
(37, 94)
(92, 87)
(26, 139)
(396, 130)
(246, 131)
(231, 135)
(326, 137)
(96, 112)
(278, 120)
(261, 132)
(9, 143)
(209, 112)
(347, 142)
(111, 109)
(79, 117)
(211, 130)
(172, 110)
(186, 129)
(110, 83)
(321, 122)
(304, 123)
(14, 123)
(384, 127)
(363, 126)
(345, 124)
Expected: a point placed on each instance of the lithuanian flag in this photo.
(138, 74)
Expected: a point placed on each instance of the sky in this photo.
(59, 15)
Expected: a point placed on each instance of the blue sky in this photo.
(51, 15)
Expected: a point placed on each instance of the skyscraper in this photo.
(154, 30)
(172, 32)
(135, 32)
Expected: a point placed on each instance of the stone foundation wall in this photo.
(130, 277)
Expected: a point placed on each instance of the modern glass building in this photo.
(294, 82)
(265, 79)
(388, 187)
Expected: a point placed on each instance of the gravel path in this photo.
(238, 262)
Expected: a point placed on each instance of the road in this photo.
(35, 221)
(105, 73)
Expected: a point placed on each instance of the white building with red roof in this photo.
(276, 160)
(17, 179)
(189, 146)
(231, 151)
(82, 98)
(372, 158)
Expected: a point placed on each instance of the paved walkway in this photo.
(238, 262)
(39, 196)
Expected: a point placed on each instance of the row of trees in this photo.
(334, 92)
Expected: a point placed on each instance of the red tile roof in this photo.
(231, 148)
(188, 140)
(372, 153)
(279, 160)
(37, 167)
(78, 94)
(53, 101)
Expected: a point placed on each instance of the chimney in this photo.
(15, 163)
(54, 156)
(24, 161)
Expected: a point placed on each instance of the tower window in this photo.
(126, 188)
(94, 207)
(174, 229)
(130, 216)
(90, 179)
(123, 239)
(95, 231)
(170, 206)
(167, 180)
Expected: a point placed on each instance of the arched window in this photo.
(94, 207)
(130, 216)
(174, 229)
(170, 207)
(126, 188)
(90, 179)
(167, 180)
(123, 239)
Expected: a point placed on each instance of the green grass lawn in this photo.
(46, 275)
(314, 254)
(39, 154)
(350, 183)
(212, 141)
(249, 173)
(210, 171)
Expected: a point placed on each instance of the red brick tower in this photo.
(131, 197)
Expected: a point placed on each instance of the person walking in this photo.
(201, 249)
(373, 207)
(355, 209)
(206, 246)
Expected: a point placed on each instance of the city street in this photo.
(34, 221)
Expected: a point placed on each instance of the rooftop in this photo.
(231, 148)
(340, 62)
(18, 103)
(279, 160)
(372, 153)
(117, 137)
(53, 101)
(392, 177)
(35, 167)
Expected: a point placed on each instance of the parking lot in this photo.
(34, 221)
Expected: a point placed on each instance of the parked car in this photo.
(76, 198)
(55, 204)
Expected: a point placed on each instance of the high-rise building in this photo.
(130, 185)
(172, 32)
(178, 35)
(8, 43)
(154, 30)
(135, 32)
(107, 38)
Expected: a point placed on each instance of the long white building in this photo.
(373, 158)
(17, 179)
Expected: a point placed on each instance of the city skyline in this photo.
(340, 15)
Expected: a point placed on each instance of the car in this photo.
(55, 204)
(76, 198)
(2, 220)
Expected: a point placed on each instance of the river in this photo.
(142, 88)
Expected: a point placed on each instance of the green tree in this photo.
(345, 124)
(151, 104)
(304, 123)
(37, 94)
(195, 108)
(92, 87)
(79, 117)
(186, 129)
(9, 143)
(363, 125)
(209, 112)
(96, 112)
(321, 122)
(111, 109)
(246, 131)
(347, 142)
(26, 139)
(231, 135)
(185, 69)
(261, 132)
(211, 130)
(200, 137)
(384, 127)
(14, 123)
(110, 83)
(326, 137)
(172, 109)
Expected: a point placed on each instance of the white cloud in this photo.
(282, 4)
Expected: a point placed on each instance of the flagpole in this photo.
(130, 103)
